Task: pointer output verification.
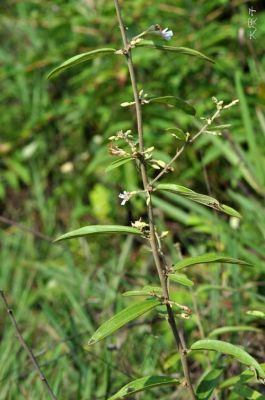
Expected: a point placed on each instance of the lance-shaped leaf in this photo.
(174, 101)
(208, 383)
(118, 163)
(181, 50)
(92, 230)
(256, 313)
(206, 259)
(178, 133)
(122, 318)
(79, 58)
(231, 350)
(145, 291)
(231, 329)
(141, 384)
(246, 392)
(181, 278)
(198, 198)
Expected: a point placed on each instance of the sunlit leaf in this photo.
(141, 384)
(181, 50)
(256, 313)
(181, 278)
(246, 392)
(206, 259)
(79, 58)
(198, 198)
(230, 329)
(122, 318)
(92, 230)
(208, 383)
(176, 102)
(231, 350)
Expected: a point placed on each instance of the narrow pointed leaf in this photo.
(92, 230)
(178, 133)
(181, 278)
(79, 58)
(118, 163)
(122, 318)
(231, 350)
(176, 102)
(208, 384)
(145, 291)
(256, 313)
(206, 259)
(141, 384)
(231, 329)
(246, 392)
(198, 198)
(181, 50)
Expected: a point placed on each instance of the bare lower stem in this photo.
(26, 347)
(160, 266)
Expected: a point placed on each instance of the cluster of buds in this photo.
(142, 97)
(142, 227)
(219, 107)
(126, 137)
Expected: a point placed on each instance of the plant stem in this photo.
(26, 347)
(161, 267)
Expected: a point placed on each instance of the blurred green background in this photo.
(53, 157)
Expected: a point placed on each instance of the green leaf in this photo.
(176, 102)
(181, 278)
(245, 392)
(206, 259)
(229, 329)
(118, 163)
(98, 230)
(122, 318)
(182, 50)
(208, 383)
(178, 133)
(231, 350)
(256, 313)
(79, 58)
(141, 384)
(146, 291)
(198, 198)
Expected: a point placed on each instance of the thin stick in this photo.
(26, 347)
(160, 266)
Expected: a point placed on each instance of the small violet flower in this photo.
(166, 34)
(125, 196)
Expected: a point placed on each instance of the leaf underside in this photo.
(79, 58)
(92, 230)
(198, 198)
(231, 350)
(206, 259)
(122, 318)
(182, 50)
(141, 384)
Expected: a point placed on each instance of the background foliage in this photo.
(53, 150)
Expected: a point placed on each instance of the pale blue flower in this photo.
(166, 34)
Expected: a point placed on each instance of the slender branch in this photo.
(26, 347)
(160, 266)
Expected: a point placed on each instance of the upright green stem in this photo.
(160, 265)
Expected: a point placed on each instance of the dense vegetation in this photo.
(54, 154)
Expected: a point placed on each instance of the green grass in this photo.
(60, 294)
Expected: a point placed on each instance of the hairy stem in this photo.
(160, 265)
